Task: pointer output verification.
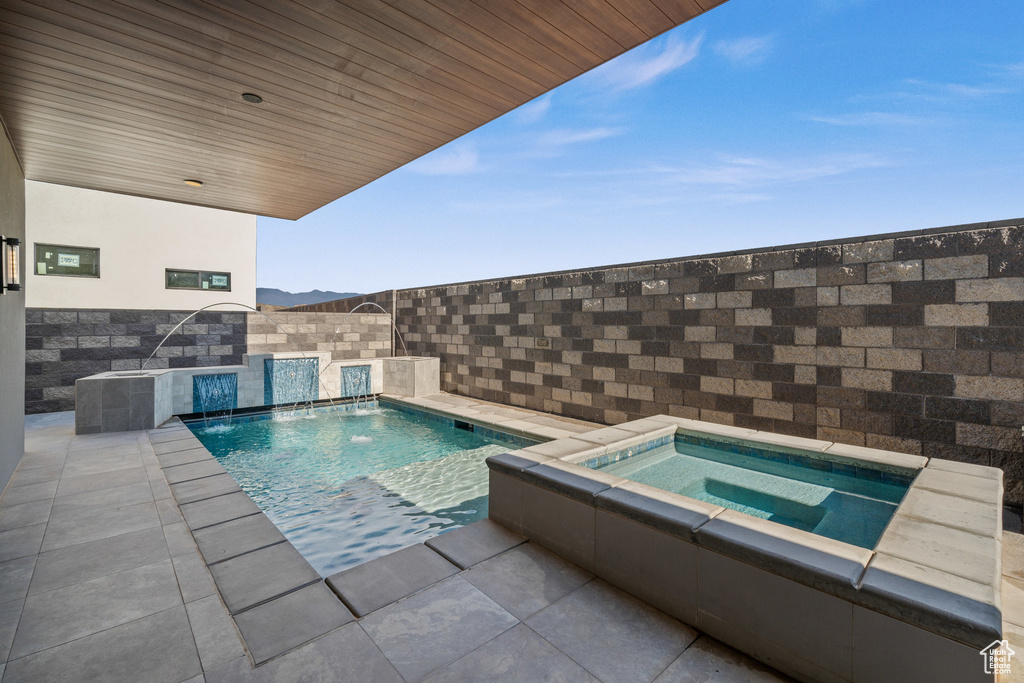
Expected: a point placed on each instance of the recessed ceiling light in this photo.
(252, 97)
(193, 183)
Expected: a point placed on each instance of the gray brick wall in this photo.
(912, 342)
(63, 345)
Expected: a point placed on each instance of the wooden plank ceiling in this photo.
(134, 96)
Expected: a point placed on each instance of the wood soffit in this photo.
(134, 96)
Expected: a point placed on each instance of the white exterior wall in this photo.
(138, 238)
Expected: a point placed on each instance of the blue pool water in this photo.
(348, 486)
(840, 501)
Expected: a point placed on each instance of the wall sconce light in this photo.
(11, 258)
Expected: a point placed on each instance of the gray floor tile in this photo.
(613, 635)
(169, 435)
(168, 511)
(103, 480)
(85, 468)
(527, 579)
(258, 576)
(343, 656)
(74, 526)
(62, 615)
(215, 634)
(155, 649)
(201, 489)
(26, 514)
(184, 457)
(224, 541)
(194, 470)
(85, 561)
(709, 661)
(435, 627)
(21, 542)
(117, 496)
(380, 582)
(475, 543)
(31, 461)
(10, 614)
(220, 509)
(516, 656)
(194, 579)
(28, 493)
(179, 539)
(26, 477)
(15, 576)
(291, 620)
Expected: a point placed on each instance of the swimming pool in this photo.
(347, 486)
(833, 499)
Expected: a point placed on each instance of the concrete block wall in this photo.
(912, 342)
(63, 345)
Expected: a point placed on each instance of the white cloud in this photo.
(448, 161)
(872, 118)
(571, 136)
(649, 62)
(534, 111)
(745, 51)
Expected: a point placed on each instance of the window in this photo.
(198, 279)
(59, 259)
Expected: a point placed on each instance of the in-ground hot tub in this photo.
(826, 561)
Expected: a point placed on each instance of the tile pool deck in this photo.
(101, 579)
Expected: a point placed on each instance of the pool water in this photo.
(849, 504)
(348, 486)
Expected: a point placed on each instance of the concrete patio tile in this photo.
(184, 457)
(31, 461)
(73, 526)
(56, 617)
(284, 623)
(21, 542)
(527, 579)
(169, 435)
(103, 480)
(28, 493)
(76, 563)
(516, 656)
(100, 466)
(179, 539)
(178, 445)
(475, 543)
(155, 649)
(201, 489)
(613, 635)
(25, 514)
(250, 579)
(26, 477)
(194, 579)
(10, 613)
(343, 656)
(220, 509)
(436, 627)
(15, 576)
(380, 582)
(194, 470)
(168, 511)
(118, 496)
(215, 634)
(224, 541)
(87, 442)
(161, 491)
(709, 661)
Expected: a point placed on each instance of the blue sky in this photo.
(756, 124)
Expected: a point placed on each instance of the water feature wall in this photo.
(355, 381)
(211, 393)
(290, 380)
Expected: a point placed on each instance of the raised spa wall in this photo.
(137, 400)
(919, 606)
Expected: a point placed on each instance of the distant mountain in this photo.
(277, 297)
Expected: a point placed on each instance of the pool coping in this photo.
(936, 567)
(257, 571)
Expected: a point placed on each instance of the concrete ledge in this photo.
(472, 544)
(251, 579)
(667, 512)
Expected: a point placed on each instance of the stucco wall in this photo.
(138, 238)
(12, 320)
